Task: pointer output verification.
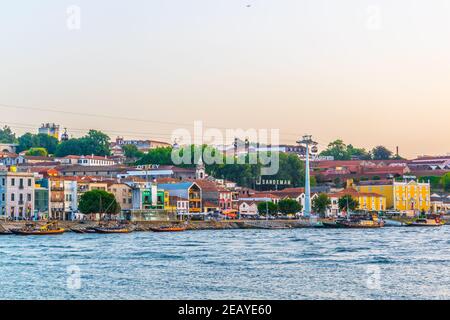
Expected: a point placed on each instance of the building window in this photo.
(13, 182)
(29, 182)
(12, 196)
(29, 197)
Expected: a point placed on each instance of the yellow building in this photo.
(368, 201)
(402, 196)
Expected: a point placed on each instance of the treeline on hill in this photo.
(438, 183)
(290, 166)
(340, 151)
(94, 142)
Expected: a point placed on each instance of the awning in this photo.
(229, 211)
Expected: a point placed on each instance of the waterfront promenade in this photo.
(190, 225)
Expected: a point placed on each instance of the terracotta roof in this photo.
(167, 180)
(206, 185)
(264, 195)
(354, 193)
(49, 159)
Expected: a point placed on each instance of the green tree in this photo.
(359, 153)
(269, 207)
(347, 201)
(446, 182)
(99, 143)
(72, 147)
(336, 149)
(381, 153)
(98, 201)
(288, 206)
(42, 152)
(7, 136)
(95, 142)
(132, 152)
(41, 140)
(321, 204)
(162, 156)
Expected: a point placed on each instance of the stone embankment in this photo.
(191, 225)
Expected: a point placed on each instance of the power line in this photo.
(168, 123)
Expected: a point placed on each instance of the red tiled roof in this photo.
(354, 193)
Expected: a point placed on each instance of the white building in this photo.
(16, 195)
(70, 199)
(87, 160)
(248, 208)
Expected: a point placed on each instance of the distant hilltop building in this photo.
(8, 147)
(243, 147)
(50, 129)
(142, 145)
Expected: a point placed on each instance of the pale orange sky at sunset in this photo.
(368, 72)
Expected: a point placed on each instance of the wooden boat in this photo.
(361, 224)
(117, 229)
(426, 223)
(168, 229)
(332, 224)
(47, 229)
(83, 230)
(393, 223)
(4, 231)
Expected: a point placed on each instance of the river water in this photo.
(387, 263)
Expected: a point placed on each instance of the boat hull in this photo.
(331, 225)
(172, 229)
(424, 225)
(89, 230)
(105, 230)
(37, 232)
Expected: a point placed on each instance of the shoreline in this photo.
(146, 226)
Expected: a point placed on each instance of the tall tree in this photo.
(348, 202)
(162, 156)
(381, 153)
(336, 149)
(287, 206)
(132, 152)
(98, 201)
(95, 142)
(99, 142)
(7, 136)
(445, 180)
(267, 207)
(321, 204)
(41, 140)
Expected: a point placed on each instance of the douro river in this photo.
(387, 263)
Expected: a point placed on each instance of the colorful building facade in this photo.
(402, 195)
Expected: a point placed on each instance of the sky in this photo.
(368, 72)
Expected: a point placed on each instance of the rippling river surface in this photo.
(388, 263)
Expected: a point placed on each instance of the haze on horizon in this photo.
(368, 72)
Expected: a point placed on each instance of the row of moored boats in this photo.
(52, 228)
(375, 222)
